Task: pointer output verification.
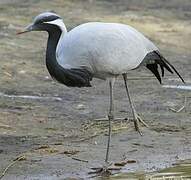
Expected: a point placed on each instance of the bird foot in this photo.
(101, 171)
(181, 108)
(137, 120)
(104, 171)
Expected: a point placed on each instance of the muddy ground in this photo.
(53, 131)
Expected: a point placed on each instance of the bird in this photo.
(98, 50)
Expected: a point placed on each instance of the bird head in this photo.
(44, 22)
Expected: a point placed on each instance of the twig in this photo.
(114, 130)
(87, 138)
(11, 164)
(181, 108)
(116, 119)
(119, 129)
(109, 168)
(81, 160)
(8, 74)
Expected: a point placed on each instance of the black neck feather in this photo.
(51, 62)
(69, 77)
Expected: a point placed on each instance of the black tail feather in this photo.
(154, 69)
(163, 63)
(175, 70)
(162, 70)
(166, 63)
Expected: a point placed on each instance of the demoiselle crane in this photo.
(98, 50)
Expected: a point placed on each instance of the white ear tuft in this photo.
(58, 22)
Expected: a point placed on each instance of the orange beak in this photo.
(22, 32)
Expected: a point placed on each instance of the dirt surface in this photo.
(51, 125)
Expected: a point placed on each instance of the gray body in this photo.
(100, 50)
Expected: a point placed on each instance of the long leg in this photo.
(135, 115)
(105, 171)
(110, 117)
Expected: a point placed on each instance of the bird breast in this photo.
(103, 48)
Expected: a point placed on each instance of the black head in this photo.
(44, 21)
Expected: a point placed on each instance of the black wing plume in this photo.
(162, 62)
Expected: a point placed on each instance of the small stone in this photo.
(80, 107)
(22, 72)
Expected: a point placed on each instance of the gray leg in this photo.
(136, 117)
(110, 117)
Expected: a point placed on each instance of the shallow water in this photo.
(178, 172)
(183, 87)
(30, 97)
